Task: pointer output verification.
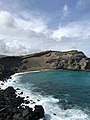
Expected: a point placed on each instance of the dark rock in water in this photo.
(17, 89)
(10, 90)
(11, 109)
(21, 93)
(33, 102)
(26, 102)
(10, 77)
(23, 106)
(2, 83)
(38, 112)
(27, 96)
(54, 113)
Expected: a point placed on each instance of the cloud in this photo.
(79, 29)
(75, 35)
(35, 24)
(66, 10)
(3, 48)
(6, 20)
(19, 35)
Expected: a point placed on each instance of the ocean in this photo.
(64, 94)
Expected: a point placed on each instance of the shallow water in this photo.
(65, 95)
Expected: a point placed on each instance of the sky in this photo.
(28, 26)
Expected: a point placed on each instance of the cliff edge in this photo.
(70, 60)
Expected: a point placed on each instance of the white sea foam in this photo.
(52, 110)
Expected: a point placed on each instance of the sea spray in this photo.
(53, 111)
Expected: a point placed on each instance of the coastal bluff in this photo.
(69, 60)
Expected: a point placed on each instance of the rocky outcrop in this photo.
(8, 66)
(11, 109)
(70, 60)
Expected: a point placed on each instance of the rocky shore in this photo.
(10, 103)
(11, 108)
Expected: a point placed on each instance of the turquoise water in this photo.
(70, 88)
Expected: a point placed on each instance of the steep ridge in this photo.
(70, 60)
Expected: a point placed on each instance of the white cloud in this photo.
(66, 10)
(79, 29)
(35, 24)
(6, 20)
(20, 36)
(24, 36)
(75, 35)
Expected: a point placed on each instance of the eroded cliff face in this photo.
(70, 60)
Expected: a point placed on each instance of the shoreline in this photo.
(5, 80)
(23, 93)
(20, 103)
(37, 110)
(2, 83)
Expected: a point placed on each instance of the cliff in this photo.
(70, 60)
